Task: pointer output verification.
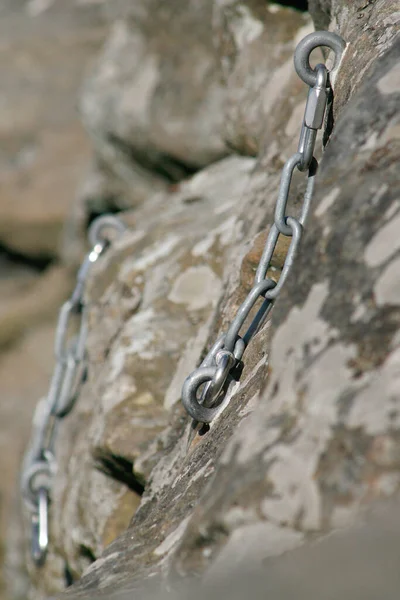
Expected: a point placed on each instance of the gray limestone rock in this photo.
(153, 104)
(45, 48)
(310, 433)
(150, 305)
(255, 41)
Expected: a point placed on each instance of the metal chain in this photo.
(204, 389)
(39, 464)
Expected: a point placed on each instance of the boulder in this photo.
(255, 41)
(45, 154)
(151, 299)
(153, 104)
(309, 434)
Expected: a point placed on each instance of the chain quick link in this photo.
(204, 389)
(39, 465)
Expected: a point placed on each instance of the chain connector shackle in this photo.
(216, 369)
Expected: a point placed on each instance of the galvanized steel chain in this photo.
(204, 389)
(39, 463)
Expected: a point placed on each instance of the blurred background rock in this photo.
(45, 48)
(190, 109)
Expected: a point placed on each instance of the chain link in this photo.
(39, 466)
(204, 389)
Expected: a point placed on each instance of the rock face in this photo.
(153, 105)
(44, 50)
(159, 305)
(309, 434)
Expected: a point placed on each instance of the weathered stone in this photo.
(44, 150)
(149, 296)
(318, 444)
(153, 104)
(255, 42)
(312, 451)
(353, 564)
(369, 28)
(35, 300)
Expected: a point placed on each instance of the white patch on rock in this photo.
(250, 545)
(202, 247)
(390, 83)
(187, 363)
(226, 232)
(197, 287)
(145, 81)
(277, 84)
(117, 361)
(326, 231)
(35, 7)
(292, 126)
(387, 286)
(138, 330)
(371, 141)
(157, 252)
(392, 210)
(172, 539)
(359, 312)
(387, 484)
(245, 28)
(310, 376)
(205, 471)
(294, 464)
(378, 194)
(294, 490)
(117, 391)
(221, 208)
(327, 202)
(368, 410)
(239, 516)
(384, 243)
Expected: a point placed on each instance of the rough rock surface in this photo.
(354, 564)
(255, 42)
(153, 294)
(153, 105)
(45, 47)
(310, 433)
